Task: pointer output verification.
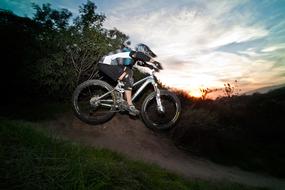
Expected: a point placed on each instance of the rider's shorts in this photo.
(112, 71)
(115, 71)
(128, 80)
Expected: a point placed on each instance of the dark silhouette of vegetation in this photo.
(206, 91)
(231, 90)
(228, 89)
(245, 131)
(48, 55)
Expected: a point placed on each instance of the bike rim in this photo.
(166, 119)
(88, 110)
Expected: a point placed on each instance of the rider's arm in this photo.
(140, 56)
(144, 58)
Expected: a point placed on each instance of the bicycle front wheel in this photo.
(93, 102)
(155, 119)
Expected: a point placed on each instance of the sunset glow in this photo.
(202, 44)
(195, 93)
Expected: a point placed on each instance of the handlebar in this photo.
(152, 67)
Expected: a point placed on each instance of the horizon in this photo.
(201, 44)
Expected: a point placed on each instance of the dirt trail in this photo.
(130, 137)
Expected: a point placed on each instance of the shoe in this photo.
(133, 110)
(124, 105)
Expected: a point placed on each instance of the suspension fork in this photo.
(160, 107)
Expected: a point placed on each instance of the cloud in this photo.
(189, 37)
(275, 47)
(187, 29)
(238, 34)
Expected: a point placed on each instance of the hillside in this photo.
(131, 138)
(32, 159)
(244, 131)
(265, 89)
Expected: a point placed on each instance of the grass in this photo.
(33, 159)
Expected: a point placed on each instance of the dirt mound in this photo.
(130, 137)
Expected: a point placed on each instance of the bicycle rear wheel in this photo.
(155, 119)
(87, 104)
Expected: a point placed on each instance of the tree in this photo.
(50, 54)
(88, 18)
(117, 36)
(71, 51)
(84, 53)
(51, 18)
(89, 42)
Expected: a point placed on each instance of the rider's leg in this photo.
(122, 76)
(122, 73)
(128, 95)
(127, 79)
(128, 92)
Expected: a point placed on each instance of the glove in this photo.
(156, 69)
(158, 65)
(152, 67)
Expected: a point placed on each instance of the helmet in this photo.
(127, 44)
(144, 49)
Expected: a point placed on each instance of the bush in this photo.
(247, 131)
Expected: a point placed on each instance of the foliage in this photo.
(88, 18)
(50, 54)
(51, 18)
(247, 131)
(19, 50)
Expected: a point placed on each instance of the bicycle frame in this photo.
(146, 81)
(149, 80)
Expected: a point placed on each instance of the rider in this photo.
(118, 66)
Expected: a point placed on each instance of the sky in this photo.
(201, 43)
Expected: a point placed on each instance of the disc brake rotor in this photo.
(94, 101)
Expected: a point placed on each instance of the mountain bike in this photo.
(96, 101)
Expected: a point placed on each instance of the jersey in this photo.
(119, 57)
